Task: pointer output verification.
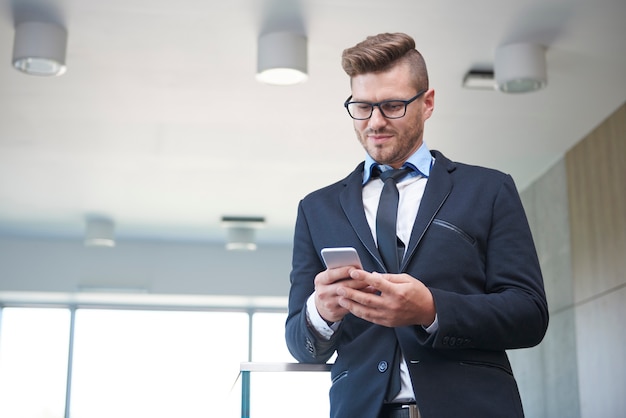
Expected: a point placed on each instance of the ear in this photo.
(429, 103)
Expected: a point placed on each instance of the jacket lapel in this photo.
(437, 190)
(351, 200)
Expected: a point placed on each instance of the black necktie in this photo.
(391, 249)
(389, 245)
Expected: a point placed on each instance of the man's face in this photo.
(391, 141)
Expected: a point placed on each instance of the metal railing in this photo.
(247, 367)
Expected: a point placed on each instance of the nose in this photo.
(377, 119)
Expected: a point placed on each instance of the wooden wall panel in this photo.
(596, 171)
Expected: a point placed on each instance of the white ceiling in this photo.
(160, 124)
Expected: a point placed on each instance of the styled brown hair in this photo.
(383, 51)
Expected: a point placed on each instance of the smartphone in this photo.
(340, 257)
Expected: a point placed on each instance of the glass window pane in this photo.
(34, 346)
(268, 337)
(157, 364)
(283, 394)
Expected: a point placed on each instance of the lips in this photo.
(380, 138)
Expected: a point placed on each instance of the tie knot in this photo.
(395, 174)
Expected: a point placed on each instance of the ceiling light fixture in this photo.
(520, 68)
(99, 232)
(39, 48)
(282, 58)
(241, 231)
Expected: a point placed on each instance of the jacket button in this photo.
(382, 366)
(309, 346)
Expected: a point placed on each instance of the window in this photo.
(34, 346)
(148, 363)
(157, 364)
(282, 395)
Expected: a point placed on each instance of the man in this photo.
(468, 285)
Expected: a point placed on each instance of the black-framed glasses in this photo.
(391, 109)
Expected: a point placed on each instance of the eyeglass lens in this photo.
(390, 109)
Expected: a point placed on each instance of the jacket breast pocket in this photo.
(453, 228)
(450, 258)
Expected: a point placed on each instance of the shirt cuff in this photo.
(317, 322)
(432, 328)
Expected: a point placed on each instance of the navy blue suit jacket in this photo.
(471, 245)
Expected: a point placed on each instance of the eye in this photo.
(393, 106)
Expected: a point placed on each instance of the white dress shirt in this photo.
(411, 190)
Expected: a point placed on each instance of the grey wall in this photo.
(147, 271)
(548, 374)
(577, 212)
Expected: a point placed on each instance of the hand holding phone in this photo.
(340, 257)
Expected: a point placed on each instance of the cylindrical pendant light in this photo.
(242, 231)
(99, 232)
(282, 58)
(520, 68)
(39, 48)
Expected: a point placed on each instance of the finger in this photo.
(338, 274)
(376, 280)
(368, 313)
(328, 277)
(353, 284)
(366, 298)
(398, 278)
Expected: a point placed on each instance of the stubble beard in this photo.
(393, 152)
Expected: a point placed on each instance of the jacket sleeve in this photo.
(303, 342)
(506, 306)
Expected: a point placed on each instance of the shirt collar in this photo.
(420, 161)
